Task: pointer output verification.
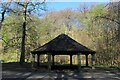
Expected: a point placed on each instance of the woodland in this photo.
(27, 25)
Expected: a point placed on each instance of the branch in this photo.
(7, 42)
(104, 17)
(3, 15)
(5, 7)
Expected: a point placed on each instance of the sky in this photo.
(80, 0)
(63, 5)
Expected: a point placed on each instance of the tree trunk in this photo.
(3, 17)
(22, 57)
(119, 21)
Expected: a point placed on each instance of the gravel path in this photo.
(99, 75)
(18, 73)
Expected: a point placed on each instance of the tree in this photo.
(12, 36)
(101, 25)
(27, 9)
(114, 15)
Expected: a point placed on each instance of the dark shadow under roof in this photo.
(63, 44)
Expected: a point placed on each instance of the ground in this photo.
(13, 71)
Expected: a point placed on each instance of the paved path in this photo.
(55, 75)
(14, 71)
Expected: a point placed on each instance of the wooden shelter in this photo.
(64, 45)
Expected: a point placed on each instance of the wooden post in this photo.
(53, 60)
(70, 60)
(38, 58)
(86, 60)
(49, 62)
(93, 61)
(79, 62)
(33, 60)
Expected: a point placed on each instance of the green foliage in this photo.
(98, 10)
(103, 32)
(11, 35)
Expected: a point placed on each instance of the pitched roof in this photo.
(63, 43)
